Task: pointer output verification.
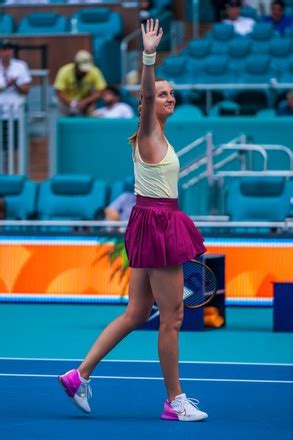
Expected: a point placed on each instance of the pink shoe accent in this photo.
(70, 382)
(168, 412)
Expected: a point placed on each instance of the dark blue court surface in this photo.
(244, 401)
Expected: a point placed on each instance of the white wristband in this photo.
(149, 59)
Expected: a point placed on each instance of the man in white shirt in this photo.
(113, 108)
(242, 25)
(15, 79)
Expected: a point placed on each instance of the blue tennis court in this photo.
(242, 375)
(243, 400)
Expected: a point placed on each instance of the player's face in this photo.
(165, 99)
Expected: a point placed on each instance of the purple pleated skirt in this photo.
(158, 234)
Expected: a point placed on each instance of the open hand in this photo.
(151, 35)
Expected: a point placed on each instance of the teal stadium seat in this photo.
(280, 50)
(257, 70)
(258, 199)
(6, 24)
(250, 12)
(38, 23)
(261, 37)
(225, 108)
(70, 197)
(106, 29)
(20, 197)
(287, 75)
(266, 113)
(238, 51)
(221, 35)
(188, 112)
(175, 69)
(197, 52)
(216, 70)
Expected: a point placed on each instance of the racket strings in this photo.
(199, 284)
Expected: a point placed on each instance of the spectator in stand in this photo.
(79, 85)
(113, 107)
(278, 19)
(15, 77)
(120, 208)
(287, 110)
(242, 25)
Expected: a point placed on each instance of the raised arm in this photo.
(151, 34)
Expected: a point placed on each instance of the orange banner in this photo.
(98, 267)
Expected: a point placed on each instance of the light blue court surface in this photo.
(242, 375)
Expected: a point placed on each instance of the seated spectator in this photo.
(79, 85)
(120, 208)
(113, 107)
(15, 78)
(278, 19)
(242, 25)
(14, 74)
(287, 110)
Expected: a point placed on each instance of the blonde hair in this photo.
(133, 138)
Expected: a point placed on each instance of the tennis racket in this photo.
(200, 284)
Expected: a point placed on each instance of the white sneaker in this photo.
(77, 389)
(183, 409)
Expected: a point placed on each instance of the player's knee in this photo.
(172, 321)
(136, 318)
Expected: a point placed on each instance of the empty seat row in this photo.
(100, 22)
(63, 197)
(238, 50)
(259, 199)
(216, 70)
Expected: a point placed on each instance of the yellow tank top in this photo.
(158, 180)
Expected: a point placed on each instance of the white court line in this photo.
(141, 361)
(191, 379)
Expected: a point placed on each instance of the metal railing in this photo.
(120, 226)
(13, 138)
(213, 170)
(207, 159)
(43, 101)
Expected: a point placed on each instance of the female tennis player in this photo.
(158, 239)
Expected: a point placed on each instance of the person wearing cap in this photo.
(242, 25)
(79, 85)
